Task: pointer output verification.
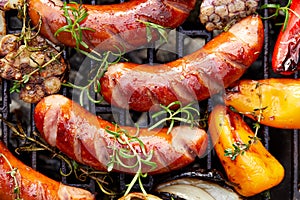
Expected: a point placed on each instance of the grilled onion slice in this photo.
(195, 189)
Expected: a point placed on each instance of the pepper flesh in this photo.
(252, 172)
(285, 58)
(280, 101)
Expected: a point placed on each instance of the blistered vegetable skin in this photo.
(286, 54)
(196, 76)
(279, 101)
(115, 24)
(82, 136)
(32, 184)
(252, 172)
(218, 14)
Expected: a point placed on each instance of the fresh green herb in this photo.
(79, 14)
(81, 172)
(94, 83)
(278, 8)
(132, 149)
(240, 148)
(186, 114)
(13, 172)
(162, 31)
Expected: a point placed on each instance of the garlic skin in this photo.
(220, 14)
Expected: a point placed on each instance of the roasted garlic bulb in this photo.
(218, 14)
(36, 68)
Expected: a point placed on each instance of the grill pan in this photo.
(283, 144)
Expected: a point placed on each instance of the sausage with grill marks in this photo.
(32, 184)
(197, 76)
(83, 137)
(113, 25)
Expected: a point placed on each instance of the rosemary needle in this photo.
(79, 14)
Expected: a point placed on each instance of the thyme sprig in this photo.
(27, 31)
(130, 151)
(162, 31)
(240, 148)
(27, 34)
(186, 114)
(81, 172)
(285, 9)
(79, 14)
(13, 172)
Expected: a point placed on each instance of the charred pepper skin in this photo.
(279, 100)
(286, 52)
(252, 172)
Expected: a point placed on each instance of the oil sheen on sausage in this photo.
(84, 137)
(32, 184)
(113, 25)
(196, 76)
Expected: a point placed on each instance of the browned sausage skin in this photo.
(32, 184)
(115, 24)
(197, 76)
(83, 137)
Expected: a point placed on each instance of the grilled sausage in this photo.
(197, 76)
(113, 25)
(32, 184)
(85, 138)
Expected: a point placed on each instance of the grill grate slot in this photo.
(283, 144)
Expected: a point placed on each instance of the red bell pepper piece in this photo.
(286, 58)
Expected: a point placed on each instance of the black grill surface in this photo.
(283, 144)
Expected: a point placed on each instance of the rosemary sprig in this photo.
(129, 151)
(240, 148)
(81, 172)
(285, 9)
(186, 114)
(79, 14)
(13, 171)
(104, 62)
(162, 31)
